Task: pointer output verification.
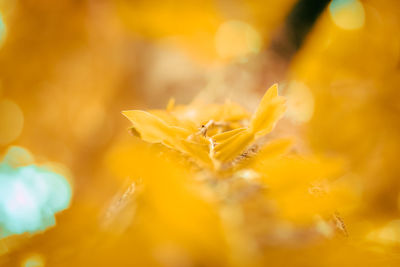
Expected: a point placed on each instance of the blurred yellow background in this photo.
(68, 68)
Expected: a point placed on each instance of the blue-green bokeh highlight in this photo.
(29, 198)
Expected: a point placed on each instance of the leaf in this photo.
(197, 151)
(171, 104)
(270, 151)
(233, 146)
(270, 109)
(218, 138)
(170, 118)
(274, 149)
(153, 129)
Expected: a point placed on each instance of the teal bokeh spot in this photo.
(29, 198)
(2, 29)
(34, 262)
(347, 14)
(337, 5)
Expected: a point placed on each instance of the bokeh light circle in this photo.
(236, 39)
(17, 156)
(347, 14)
(300, 102)
(2, 30)
(34, 260)
(11, 121)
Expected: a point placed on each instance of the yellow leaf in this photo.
(275, 148)
(233, 146)
(197, 151)
(270, 109)
(270, 151)
(171, 104)
(218, 138)
(170, 119)
(153, 129)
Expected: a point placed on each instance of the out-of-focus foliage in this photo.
(356, 96)
(216, 186)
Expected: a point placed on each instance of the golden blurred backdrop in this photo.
(323, 191)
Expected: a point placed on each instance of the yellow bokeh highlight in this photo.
(300, 102)
(17, 156)
(389, 234)
(347, 14)
(236, 39)
(11, 121)
(34, 260)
